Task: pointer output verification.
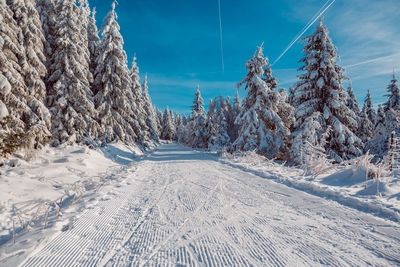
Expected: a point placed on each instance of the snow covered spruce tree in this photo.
(380, 116)
(22, 116)
(320, 90)
(30, 36)
(308, 144)
(149, 112)
(210, 126)
(69, 97)
(261, 127)
(197, 134)
(93, 39)
(112, 86)
(135, 96)
(217, 125)
(46, 10)
(182, 131)
(159, 120)
(270, 80)
(352, 102)
(387, 121)
(233, 111)
(369, 108)
(380, 142)
(393, 101)
(168, 131)
(365, 128)
(12, 90)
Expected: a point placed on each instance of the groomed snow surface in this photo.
(178, 206)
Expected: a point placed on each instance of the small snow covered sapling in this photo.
(393, 154)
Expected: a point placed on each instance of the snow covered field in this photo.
(183, 207)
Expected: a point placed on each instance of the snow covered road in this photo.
(182, 207)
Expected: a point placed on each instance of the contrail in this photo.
(371, 60)
(304, 30)
(316, 14)
(220, 35)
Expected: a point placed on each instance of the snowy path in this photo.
(182, 207)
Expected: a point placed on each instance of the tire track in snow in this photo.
(192, 210)
(192, 215)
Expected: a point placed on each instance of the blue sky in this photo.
(177, 42)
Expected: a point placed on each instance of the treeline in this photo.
(61, 83)
(318, 118)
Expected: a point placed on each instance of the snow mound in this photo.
(384, 189)
(346, 177)
(121, 153)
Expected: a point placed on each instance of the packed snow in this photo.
(178, 206)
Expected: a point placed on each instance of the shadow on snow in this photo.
(174, 152)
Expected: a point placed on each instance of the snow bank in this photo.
(55, 177)
(346, 185)
(346, 177)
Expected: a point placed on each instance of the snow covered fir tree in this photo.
(24, 119)
(320, 89)
(265, 117)
(197, 136)
(387, 120)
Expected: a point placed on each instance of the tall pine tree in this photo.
(168, 131)
(135, 96)
(149, 111)
(93, 39)
(46, 10)
(352, 102)
(197, 123)
(31, 61)
(112, 85)
(70, 98)
(393, 96)
(368, 108)
(320, 90)
(261, 127)
(13, 92)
